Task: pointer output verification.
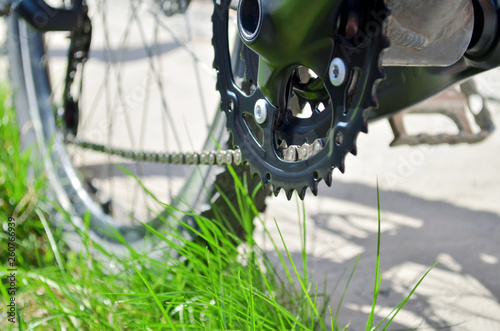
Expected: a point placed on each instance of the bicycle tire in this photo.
(33, 100)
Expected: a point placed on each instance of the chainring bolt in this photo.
(260, 111)
(337, 72)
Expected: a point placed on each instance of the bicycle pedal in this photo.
(454, 105)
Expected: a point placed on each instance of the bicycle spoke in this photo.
(133, 49)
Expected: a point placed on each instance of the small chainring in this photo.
(289, 150)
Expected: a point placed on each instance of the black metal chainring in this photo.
(336, 126)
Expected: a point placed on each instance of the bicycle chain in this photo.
(219, 157)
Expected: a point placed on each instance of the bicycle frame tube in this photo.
(428, 32)
(419, 83)
(285, 34)
(407, 86)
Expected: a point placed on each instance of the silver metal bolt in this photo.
(260, 111)
(338, 70)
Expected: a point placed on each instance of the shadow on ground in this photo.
(463, 290)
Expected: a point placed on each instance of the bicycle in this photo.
(297, 86)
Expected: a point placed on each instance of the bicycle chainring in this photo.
(290, 151)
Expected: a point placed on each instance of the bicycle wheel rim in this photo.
(36, 92)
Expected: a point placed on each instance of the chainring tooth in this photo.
(302, 193)
(364, 127)
(314, 189)
(354, 149)
(303, 173)
(329, 178)
(341, 166)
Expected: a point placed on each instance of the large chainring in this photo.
(337, 114)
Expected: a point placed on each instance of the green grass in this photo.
(19, 190)
(223, 284)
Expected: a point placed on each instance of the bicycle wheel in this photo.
(147, 84)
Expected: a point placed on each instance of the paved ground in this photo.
(438, 203)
